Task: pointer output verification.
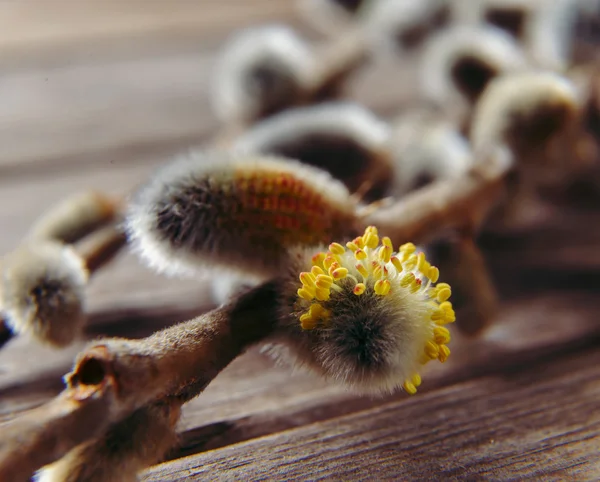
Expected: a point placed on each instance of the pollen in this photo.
(367, 266)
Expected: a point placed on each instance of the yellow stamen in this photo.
(371, 240)
(360, 254)
(339, 273)
(307, 322)
(361, 269)
(410, 263)
(316, 271)
(359, 289)
(382, 287)
(434, 274)
(407, 280)
(324, 281)
(422, 263)
(359, 242)
(432, 350)
(444, 353)
(416, 380)
(304, 294)
(408, 248)
(443, 295)
(385, 254)
(307, 279)
(397, 264)
(318, 258)
(441, 335)
(352, 246)
(336, 248)
(322, 294)
(409, 388)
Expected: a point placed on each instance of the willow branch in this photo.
(458, 204)
(179, 361)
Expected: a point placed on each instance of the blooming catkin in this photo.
(458, 62)
(363, 315)
(240, 212)
(524, 111)
(261, 71)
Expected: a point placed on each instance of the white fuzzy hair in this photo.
(492, 44)
(219, 166)
(344, 119)
(247, 49)
(511, 94)
(424, 144)
(37, 264)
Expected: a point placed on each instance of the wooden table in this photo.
(96, 94)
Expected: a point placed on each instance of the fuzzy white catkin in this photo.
(489, 45)
(221, 210)
(43, 291)
(276, 48)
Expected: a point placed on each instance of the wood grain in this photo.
(538, 421)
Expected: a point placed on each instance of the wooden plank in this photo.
(38, 33)
(540, 421)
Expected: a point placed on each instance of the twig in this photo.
(179, 361)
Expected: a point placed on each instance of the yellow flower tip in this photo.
(336, 248)
(359, 242)
(441, 335)
(339, 273)
(371, 240)
(322, 294)
(307, 279)
(318, 259)
(408, 248)
(352, 246)
(402, 285)
(385, 254)
(434, 274)
(444, 353)
(305, 295)
(409, 387)
(443, 295)
(307, 322)
(432, 350)
(359, 289)
(359, 254)
(361, 269)
(382, 287)
(323, 281)
(416, 380)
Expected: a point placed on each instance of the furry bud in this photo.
(342, 138)
(427, 148)
(75, 217)
(229, 210)
(363, 315)
(459, 62)
(260, 72)
(525, 110)
(43, 291)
